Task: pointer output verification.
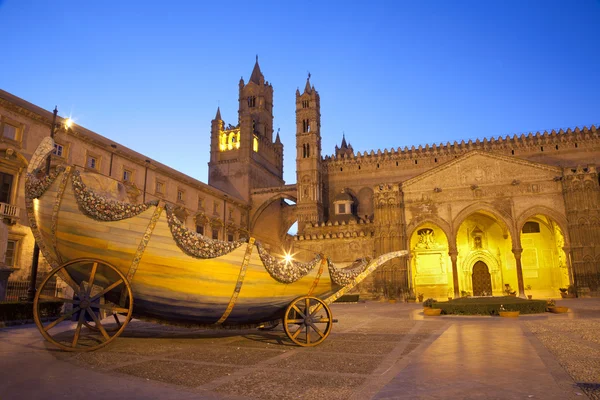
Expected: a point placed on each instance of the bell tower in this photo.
(244, 157)
(308, 157)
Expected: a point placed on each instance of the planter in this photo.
(558, 310)
(509, 314)
(432, 312)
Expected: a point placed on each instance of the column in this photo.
(454, 256)
(517, 253)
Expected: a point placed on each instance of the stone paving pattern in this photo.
(376, 351)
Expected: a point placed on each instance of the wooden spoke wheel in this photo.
(307, 321)
(102, 300)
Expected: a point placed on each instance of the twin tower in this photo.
(245, 157)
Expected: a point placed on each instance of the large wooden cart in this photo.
(123, 260)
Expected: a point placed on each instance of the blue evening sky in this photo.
(150, 74)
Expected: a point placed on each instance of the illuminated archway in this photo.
(545, 264)
(483, 236)
(431, 267)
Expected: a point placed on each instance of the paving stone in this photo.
(229, 355)
(176, 372)
(318, 361)
(272, 385)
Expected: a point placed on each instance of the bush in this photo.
(429, 302)
(490, 305)
(348, 298)
(24, 311)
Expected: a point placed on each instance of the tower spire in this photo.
(218, 116)
(256, 73)
(307, 88)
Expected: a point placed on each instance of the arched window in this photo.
(255, 144)
(531, 227)
(252, 101)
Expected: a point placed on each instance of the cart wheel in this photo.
(97, 288)
(309, 315)
(110, 324)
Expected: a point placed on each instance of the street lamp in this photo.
(36, 250)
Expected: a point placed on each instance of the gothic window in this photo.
(252, 101)
(200, 229)
(215, 234)
(304, 103)
(531, 227)
(255, 144)
(305, 125)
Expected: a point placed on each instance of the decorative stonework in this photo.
(102, 209)
(194, 244)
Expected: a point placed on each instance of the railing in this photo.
(17, 290)
(9, 210)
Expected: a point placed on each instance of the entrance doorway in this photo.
(482, 282)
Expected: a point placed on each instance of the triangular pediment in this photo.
(479, 168)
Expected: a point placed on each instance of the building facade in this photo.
(515, 213)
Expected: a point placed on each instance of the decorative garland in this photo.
(101, 209)
(344, 276)
(35, 187)
(285, 271)
(194, 244)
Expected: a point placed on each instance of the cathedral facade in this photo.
(507, 214)
(492, 216)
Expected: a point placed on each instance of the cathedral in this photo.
(492, 216)
(497, 215)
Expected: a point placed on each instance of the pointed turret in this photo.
(345, 149)
(277, 139)
(256, 73)
(307, 88)
(218, 116)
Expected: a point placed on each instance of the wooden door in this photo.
(482, 282)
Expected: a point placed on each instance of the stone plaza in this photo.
(376, 351)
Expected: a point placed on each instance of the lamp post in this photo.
(36, 250)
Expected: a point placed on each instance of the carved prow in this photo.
(373, 265)
(41, 154)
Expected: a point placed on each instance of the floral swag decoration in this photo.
(345, 276)
(194, 244)
(35, 187)
(99, 208)
(285, 271)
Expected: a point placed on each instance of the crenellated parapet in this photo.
(337, 230)
(517, 144)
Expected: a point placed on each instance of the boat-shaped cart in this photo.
(123, 260)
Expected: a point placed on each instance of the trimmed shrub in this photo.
(24, 311)
(348, 298)
(490, 305)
